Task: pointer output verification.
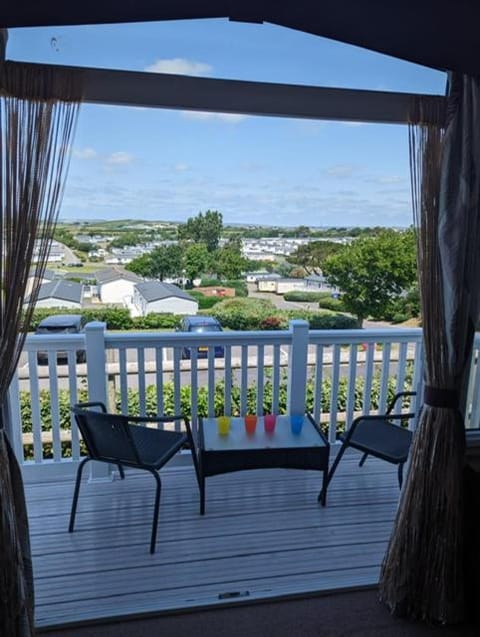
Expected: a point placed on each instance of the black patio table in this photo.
(239, 451)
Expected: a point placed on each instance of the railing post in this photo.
(97, 382)
(297, 367)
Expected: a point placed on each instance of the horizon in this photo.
(165, 164)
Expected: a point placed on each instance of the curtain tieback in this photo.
(437, 397)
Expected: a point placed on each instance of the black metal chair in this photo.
(120, 440)
(378, 436)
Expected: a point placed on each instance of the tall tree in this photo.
(372, 272)
(196, 260)
(228, 260)
(311, 256)
(204, 228)
(162, 262)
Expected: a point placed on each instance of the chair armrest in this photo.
(165, 419)
(374, 418)
(397, 397)
(89, 405)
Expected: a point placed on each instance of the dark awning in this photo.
(442, 34)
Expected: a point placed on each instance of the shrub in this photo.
(333, 321)
(271, 323)
(204, 302)
(115, 318)
(331, 304)
(202, 401)
(156, 320)
(301, 296)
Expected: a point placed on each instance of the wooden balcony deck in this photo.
(264, 535)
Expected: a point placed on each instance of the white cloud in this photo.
(230, 118)
(180, 168)
(180, 66)
(85, 153)
(119, 158)
(342, 171)
(389, 179)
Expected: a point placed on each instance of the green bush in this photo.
(336, 305)
(115, 318)
(302, 296)
(156, 320)
(205, 302)
(257, 314)
(202, 401)
(245, 314)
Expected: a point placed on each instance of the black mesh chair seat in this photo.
(153, 450)
(380, 437)
(125, 442)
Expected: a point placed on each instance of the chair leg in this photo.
(322, 496)
(334, 467)
(202, 495)
(362, 461)
(400, 475)
(121, 471)
(158, 491)
(76, 493)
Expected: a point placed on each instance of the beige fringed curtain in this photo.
(422, 574)
(38, 113)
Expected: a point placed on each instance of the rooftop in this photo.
(157, 290)
(113, 274)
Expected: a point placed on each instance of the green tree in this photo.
(127, 239)
(228, 260)
(311, 256)
(141, 265)
(302, 231)
(374, 272)
(196, 260)
(162, 262)
(204, 228)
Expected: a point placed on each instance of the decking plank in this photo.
(263, 532)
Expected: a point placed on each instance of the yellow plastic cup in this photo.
(223, 425)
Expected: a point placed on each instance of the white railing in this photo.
(332, 372)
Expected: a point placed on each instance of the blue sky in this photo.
(169, 165)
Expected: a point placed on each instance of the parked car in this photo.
(201, 324)
(61, 324)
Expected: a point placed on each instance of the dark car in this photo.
(201, 324)
(61, 324)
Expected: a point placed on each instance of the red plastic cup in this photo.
(250, 424)
(269, 423)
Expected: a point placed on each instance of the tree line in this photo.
(198, 251)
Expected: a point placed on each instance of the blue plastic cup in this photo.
(296, 422)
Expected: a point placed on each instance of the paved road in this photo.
(70, 256)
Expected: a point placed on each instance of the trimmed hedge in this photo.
(115, 318)
(302, 296)
(219, 405)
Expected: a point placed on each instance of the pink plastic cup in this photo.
(269, 423)
(250, 424)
